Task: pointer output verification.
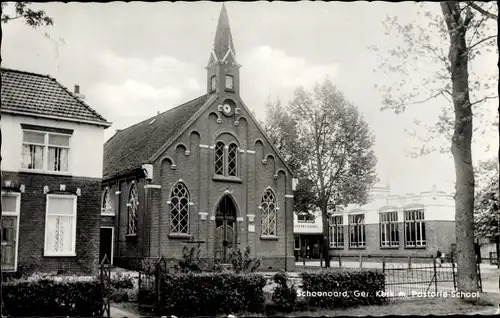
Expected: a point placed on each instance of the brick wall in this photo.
(32, 223)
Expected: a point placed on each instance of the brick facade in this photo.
(195, 168)
(32, 222)
(179, 145)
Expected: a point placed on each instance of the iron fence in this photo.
(417, 276)
(493, 258)
(105, 279)
(420, 279)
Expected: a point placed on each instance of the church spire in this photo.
(223, 41)
(223, 75)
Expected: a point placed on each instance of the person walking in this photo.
(438, 257)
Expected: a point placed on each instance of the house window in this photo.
(133, 206)
(226, 159)
(60, 225)
(219, 158)
(10, 230)
(106, 206)
(232, 157)
(43, 151)
(179, 209)
(414, 228)
(357, 230)
(389, 231)
(337, 231)
(268, 206)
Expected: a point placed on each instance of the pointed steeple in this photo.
(222, 69)
(223, 39)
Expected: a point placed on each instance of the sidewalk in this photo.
(120, 313)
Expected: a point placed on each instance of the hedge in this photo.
(209, 294)
(326, 289)
(49, 297)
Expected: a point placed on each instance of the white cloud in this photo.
(131, 89)
(267, 71)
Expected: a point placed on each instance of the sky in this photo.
(132, 60)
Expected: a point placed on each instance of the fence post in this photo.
(453, 271)
(479, 278)
(340, 260)
(435, 275)
(157, 286)
(409, 262)
(360, 260)
(383, 264)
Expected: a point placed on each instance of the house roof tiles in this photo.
(42, 95)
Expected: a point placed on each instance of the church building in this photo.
(203, 172)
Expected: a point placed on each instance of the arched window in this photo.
(133, 204)
(106, 206)
(268, 208)
(179, 209)
(232, 159)
(219, 158)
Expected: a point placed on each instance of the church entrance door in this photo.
(225, 229)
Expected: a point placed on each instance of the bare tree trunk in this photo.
(461, 147)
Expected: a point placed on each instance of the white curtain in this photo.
(38, 157)
(32, 157)
(60, 220)
(58, 159)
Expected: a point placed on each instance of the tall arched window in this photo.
(232, 159)
(133, 204)
(219, 158)
(179, 209)
(268, 208)
(106, 206)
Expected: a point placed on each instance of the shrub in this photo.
(118, 295)
(190, 261)
(120, 281)
(243, 262)
(49, 297)
(343, 289)
(191, 294)
(284, 296)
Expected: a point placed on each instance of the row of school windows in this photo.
(179, 204)
(414, 230)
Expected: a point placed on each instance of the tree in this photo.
(281, 130)
(487, 201)
(446, 74)
(336, 148)
(33, 18)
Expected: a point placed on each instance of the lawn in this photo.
(422, 306)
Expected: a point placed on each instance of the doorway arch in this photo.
(225, 229)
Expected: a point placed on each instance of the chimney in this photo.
(77, 93)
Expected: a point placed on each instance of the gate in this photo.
(149, 293)
(105, 278)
